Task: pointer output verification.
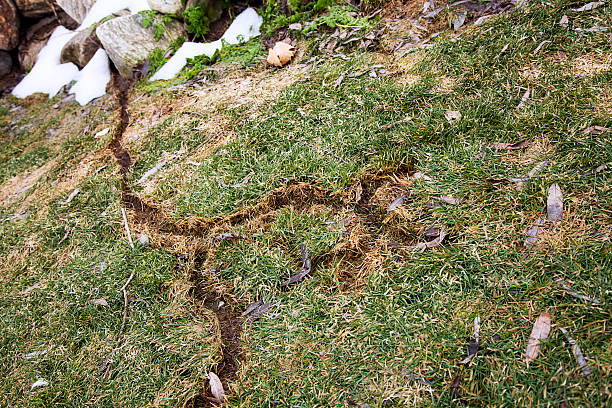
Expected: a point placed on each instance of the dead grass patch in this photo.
(13, 188)
(591, 64)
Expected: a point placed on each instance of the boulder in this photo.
(36, 8)
(128, 43)
(166, 6)
(81, 48)
(77, 9)
(37, 35)
(6, 63)
(9, 25)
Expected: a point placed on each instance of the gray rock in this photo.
(6, 63)
(81, 48)
(143, 240)
(166, 6)
(36, 8)
(76, 9)
(37, 35)
(128, 44)
(9, 25)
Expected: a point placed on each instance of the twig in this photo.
(127, 228)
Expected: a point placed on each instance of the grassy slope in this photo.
(370, 312)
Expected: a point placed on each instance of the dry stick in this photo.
(127, 228)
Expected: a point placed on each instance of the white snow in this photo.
(92, 80)
(245, 26)
(48, 75)
(104, 8)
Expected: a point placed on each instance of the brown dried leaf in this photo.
(358, 192)
(280, 54)
(539, 332)
(508, 146)
(302, 273)
(554, 205)
(216, 388)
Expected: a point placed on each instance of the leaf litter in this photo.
(582, 363)
(539, 332)
(302, 273)
(554, 204)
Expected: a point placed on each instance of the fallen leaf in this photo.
(432, 233)
(589, 6)
(31, 288)
(358, 192)
(102, 133)
(459, 19)
(599, 169)
(455, 385)
(527, 93)
(339, 80)
(35, 354)
(216, 388)
(575, 294)
(539, 332)
(227, 237)
(41, 382)
(280, 54)
(448, 199)
(100, 302)
(582, 363)
(397, 202)
(596, 130)
(295, 26)
(419, 175)
(554, 205)
(70, 197)
(433, 243)
(302, 273)
(564, 21)
(452, 116)
(508, 146)
(532, 233)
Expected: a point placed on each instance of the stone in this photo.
(81, 48)
(166, 6)
(6, 63)
(9, 25)
(128, 43)
(36, 8)
(37, 35)
(77, 9)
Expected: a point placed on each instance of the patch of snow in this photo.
(245, 26)
(104, 8)
(92, 80)
(49, 75)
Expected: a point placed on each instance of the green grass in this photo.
(370, 312)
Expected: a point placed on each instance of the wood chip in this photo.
(554, 205)
(539, 332)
